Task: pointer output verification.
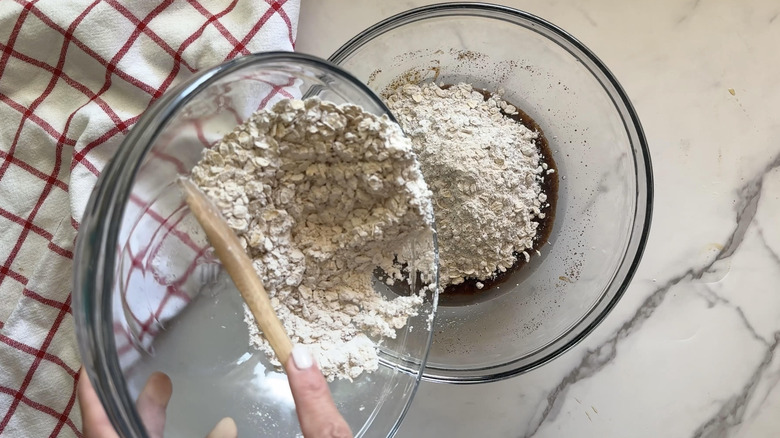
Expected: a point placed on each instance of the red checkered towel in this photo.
(74, 77)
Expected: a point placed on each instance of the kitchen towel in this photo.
(74, 78)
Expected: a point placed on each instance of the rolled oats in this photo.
(320, 195)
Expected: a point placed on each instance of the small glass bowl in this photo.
(605, 191)
(148, 296)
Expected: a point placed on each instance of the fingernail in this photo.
(302, 357)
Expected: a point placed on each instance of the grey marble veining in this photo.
(691, 349)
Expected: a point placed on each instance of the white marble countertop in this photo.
(690, 351)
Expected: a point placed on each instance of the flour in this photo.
(320, 195)
(484, 171)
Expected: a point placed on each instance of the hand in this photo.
(151, 407)
(317, 414)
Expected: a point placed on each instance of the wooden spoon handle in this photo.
(239, 267)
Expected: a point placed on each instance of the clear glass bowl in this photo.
(605, 186)
(148, 295)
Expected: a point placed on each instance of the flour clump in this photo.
(485, 172)
(321, 195)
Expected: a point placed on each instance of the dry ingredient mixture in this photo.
(485, 173)
(320, 195)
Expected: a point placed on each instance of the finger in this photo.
(317, 413)
(152, 403)
(226, 428)
(95, 422)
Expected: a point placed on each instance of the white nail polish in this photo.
(302, 357)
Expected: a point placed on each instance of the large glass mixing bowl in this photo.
(149, 296)
(605, 177)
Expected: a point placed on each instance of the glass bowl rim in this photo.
(94, 256)
(633, 128)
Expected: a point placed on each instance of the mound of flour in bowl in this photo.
(485, 173)
(320, 195)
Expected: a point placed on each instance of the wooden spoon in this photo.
(239, 267)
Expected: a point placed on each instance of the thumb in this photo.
(226, 428)
(317, 413)
(95, 422)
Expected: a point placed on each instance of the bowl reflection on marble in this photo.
(605, 185)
